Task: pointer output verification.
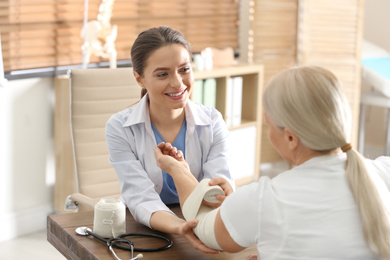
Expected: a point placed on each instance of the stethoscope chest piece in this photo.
(83, 231)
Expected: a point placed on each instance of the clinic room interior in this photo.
(35, 177)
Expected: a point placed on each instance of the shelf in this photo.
(247, 134)
(229, 71)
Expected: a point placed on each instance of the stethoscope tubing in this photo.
(154, 249)
(96, 236)
(136, 249)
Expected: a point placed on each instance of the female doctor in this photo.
(333, 204)
(161, 59)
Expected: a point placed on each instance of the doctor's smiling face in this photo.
(168, 77)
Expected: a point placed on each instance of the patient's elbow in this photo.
(232, 250)
(223, 237)
(229, 246)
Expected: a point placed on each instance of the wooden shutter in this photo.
(46, 33)
(300, 32)
(273, 40)
(330, 35)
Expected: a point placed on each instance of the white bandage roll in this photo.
(194, 209)
(109, 218)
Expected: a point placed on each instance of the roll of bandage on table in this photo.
(109, 218)
(194, 209)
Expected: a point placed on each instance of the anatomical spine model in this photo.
(99, 35)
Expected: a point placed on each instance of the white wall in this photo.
(377, 31)
(26, 156)
(377, 22)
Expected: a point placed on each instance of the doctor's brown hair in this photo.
(149, 41)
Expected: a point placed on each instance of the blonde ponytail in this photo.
(372, 198)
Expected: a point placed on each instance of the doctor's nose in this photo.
(176, 81)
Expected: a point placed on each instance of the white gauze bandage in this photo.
(109, 218)
(193, 208)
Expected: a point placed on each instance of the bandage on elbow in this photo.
(193, 208)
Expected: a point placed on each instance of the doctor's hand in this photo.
(169, 158)
(188, 233)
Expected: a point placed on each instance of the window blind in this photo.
(46, 33)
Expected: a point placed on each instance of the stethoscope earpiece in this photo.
(139, 256)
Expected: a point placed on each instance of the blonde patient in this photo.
(334, 204)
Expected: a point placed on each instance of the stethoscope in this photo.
(121, 242)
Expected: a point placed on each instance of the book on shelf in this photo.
(197, 92)
(229, 102)
(234, 101)
(237, 101)
(209, 92)
(205, 92)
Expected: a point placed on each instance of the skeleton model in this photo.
(99, 36)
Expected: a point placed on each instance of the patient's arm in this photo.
(179, 170)
(210, 223)
(175, 165)
(224, 239)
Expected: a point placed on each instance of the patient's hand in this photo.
(171, 161)
(168, 149)
(168, 157)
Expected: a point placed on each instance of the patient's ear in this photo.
(138, 78)
(291, 138)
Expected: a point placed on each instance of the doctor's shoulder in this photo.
(119, 118)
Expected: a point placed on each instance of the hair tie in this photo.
(346, 147)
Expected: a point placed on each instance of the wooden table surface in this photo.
(61, 234)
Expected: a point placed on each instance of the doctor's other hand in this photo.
(168, 157)
(226, 187)
(187, 232)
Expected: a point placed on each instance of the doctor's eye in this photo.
(160, 75)
(186, 69)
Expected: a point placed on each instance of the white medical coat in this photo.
(130, 141)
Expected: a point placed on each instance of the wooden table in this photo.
(61, 234)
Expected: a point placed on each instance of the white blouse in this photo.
(307, 212)
(130, 141)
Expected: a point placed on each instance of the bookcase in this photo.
(245, 138)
